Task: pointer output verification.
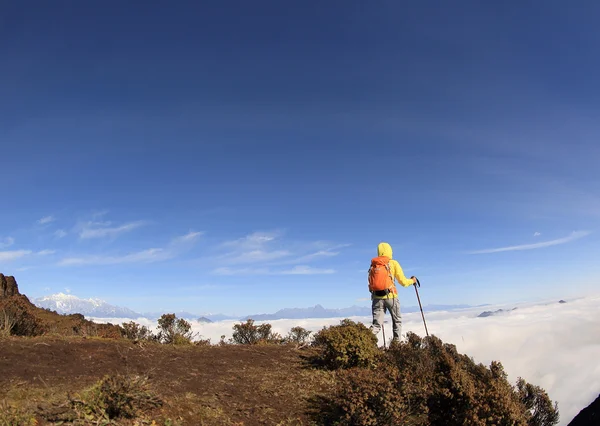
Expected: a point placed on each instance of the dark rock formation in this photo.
(589, 416)
(492, 313)
(561, 301)
(8, 286)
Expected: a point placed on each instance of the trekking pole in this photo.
(383, 329)
(419, 299)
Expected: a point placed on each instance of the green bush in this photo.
(364, 397)
(174, 331)
(134, 331)
(114, 397)
(250, 334)
(427, 382)
(298, 336)
(540, 411)
(349, 344)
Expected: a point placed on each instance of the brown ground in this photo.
(245, 385)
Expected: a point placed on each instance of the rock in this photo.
(561, 301)
(589, 416)
(8, 286)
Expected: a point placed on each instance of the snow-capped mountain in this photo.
(70, 304)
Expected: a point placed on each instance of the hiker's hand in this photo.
(414, 280)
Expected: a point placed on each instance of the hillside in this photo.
(62, 369)
(198, 385)
(22, 318)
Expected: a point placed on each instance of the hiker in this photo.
(384, 269)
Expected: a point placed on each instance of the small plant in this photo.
(249, 334)
(10, 416)
(134, 331)
(174, 331)
(7, 322)
(349, 344)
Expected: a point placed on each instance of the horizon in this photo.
(210, 158)
(407, 308)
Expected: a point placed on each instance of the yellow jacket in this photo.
(384, 249)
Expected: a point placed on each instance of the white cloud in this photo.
(45, 220)
(537, 234)
(555, 346)
(6, 242)
(241, 271)
(307, 270)
(60, 233)
(104, 230)
(266, 250)
(189, 237)
(296, 270)
(574, 236)
(172, 250)
(46, 252)
(144, 256)
(7, 256)
(258, 256)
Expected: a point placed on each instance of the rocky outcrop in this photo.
(8, 286)
(492, 313)
(589, 416)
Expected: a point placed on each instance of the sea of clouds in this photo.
(553, 345)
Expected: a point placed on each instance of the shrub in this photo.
(298, 336)
(134, 331)
(250, 334)
(174, 331)
(539, 407)
(364, 397)
(430, 383)
(116, 397)
(349, 344)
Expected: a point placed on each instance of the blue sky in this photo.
(241, 157)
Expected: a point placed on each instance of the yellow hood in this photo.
(384, 249)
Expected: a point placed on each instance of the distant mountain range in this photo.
(96, 308)
(70, 304)
(319, 311)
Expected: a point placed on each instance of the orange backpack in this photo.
(380, 274)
